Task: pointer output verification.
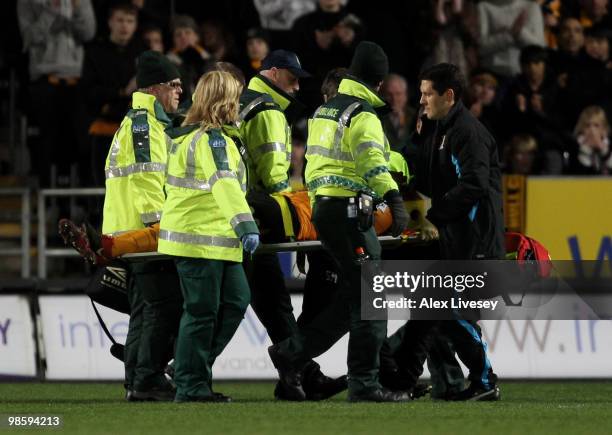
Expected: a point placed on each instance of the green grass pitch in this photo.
(526, 407)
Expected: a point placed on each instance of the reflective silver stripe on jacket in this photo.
(154, 216)
(198, 239)
(336, 154)
(241, 217)
(134, 168)
(245, 111)
(342, 123)
(114, 151)
(367, 145)
(219, 175)
(190, 161)
(169, 143)
(189, 183)
(271, 146)
(241, 175)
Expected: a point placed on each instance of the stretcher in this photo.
(413, 238)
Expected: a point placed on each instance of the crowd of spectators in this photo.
(539, 72)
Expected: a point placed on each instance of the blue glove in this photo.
(250, 242)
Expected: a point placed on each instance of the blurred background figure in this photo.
(257, 48)
(399, 122)
(187, 53)
(594, 12)
(325, 39)
(597, 44)
(521, 156)
(481, 99)
(454, 32)
(551, 12)
(278, 17)
(582, 79)
(592, 133)
(109, 79)
(54, 34)
(153, 39)
(505, 27)
(218, 41)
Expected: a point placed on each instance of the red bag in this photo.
(528, 249)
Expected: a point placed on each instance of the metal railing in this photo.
(43, 252)
(24, 250)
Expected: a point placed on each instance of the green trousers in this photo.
(340, 236)
(216, 296)
(155, 311)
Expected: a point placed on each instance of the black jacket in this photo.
(466, 190)
(107, 68)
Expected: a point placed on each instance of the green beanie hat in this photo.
(369, 63)
(152, 68)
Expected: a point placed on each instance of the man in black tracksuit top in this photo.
(462, 175)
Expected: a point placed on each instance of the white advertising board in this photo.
(76, 347)
(17, 345)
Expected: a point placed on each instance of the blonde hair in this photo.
(587, 115)
(215, 100)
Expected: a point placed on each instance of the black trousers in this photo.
(156, 303)
(56, 109)
(412, 341)
(270, 298)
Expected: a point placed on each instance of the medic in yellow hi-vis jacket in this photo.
(206, 222)
(345, 156)
(135, 173)
(266, 108)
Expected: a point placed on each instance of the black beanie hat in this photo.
(369, 63)
(152, 68)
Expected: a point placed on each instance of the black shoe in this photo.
(420, 390)
(222, 397)
(317, 386)
(478, 393)
(155, 394)
(214, 398)
(393, 380)
(381, 395)
(289, 385)
(129, 395)
(169, 374)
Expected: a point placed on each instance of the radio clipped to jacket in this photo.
(362, 208)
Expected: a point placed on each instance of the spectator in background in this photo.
(257, 48)
(151, 13)
(593, 155)
(595, 12)
(454, 34)
(597, 44)
(583, 81)
(530, 108)
(521, 155)
(325, 39)
(53, 33)
(532, 91)
(109, 78)
(551, 12)
(217, 41)
(278, 17)
(187, 54)
(482, 103)
(153, 39)
(505, 27)
(399, 121)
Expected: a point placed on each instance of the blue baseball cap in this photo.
(283, 59)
